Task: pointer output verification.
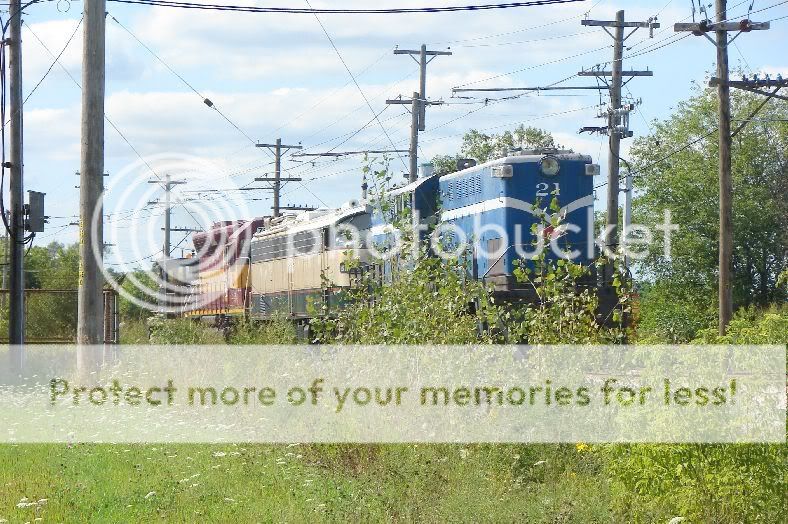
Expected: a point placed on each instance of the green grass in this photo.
(297, 483)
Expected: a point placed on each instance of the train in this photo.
(284, 266)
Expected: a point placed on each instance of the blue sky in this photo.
(278, 75)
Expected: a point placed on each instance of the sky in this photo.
(279, 75)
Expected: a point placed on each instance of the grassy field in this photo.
(299, 483)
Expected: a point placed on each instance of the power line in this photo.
(207, 101)
(349, 72)
(310, 10)
(640, 172)
(535, 66)
(525, 29)
(109, 121)
(52, 65)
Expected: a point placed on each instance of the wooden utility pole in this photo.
(16, 317)
(91, 182)
(614, 153)
(725, 178)
(277, 149)
(415, 108)
(615, 129)
(168, 184)
(721, 28)
(413, 152)
(422, 53)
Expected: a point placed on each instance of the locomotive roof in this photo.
(294, 225)
(410, 187)
(517, 158)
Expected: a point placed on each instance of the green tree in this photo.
(676, 168)
(483, 147)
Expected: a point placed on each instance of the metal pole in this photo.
(277, 174)
(725, 184)
(423, 86)
(89, 315)
(615, 139)
(414, 137)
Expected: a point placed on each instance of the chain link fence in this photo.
(51, 316)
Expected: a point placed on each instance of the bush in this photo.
(182, 331)
(670, 314)
(273, 331)
(751, 326)
(707, 482)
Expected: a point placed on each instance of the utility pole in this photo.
(725, 178)
(415, 123)
(16, 317)
(615, 129)
(91, 228)
(413, 152)
(422, 53)
(721, 28)
(169, 183)
(277, 180)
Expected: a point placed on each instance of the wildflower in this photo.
(219, 454)
(582, 446)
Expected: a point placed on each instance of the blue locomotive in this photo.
(491, 210)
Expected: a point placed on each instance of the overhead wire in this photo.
(52, 65)
(522, 30)
(310, 10)
(110, 122)
(207, 101)
(352, 76)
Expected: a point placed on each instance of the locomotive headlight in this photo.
(549, 166)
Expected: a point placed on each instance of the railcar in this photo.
(222, 286)
(302, 261)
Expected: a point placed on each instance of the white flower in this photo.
(219, 454)
(676, 520)
(150, 494)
